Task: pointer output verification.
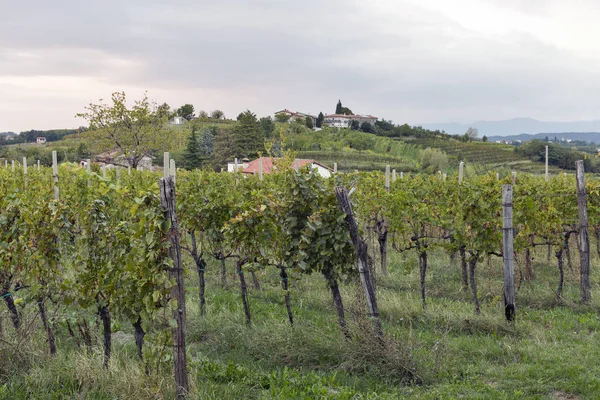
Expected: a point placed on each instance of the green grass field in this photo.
(443, 352)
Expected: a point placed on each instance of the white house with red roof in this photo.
(345, 121)
(296, 115)
(269, 164)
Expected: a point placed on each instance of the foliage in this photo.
(248, 135)
(434, 160)
(309, 122)
(186, 111)
(320, 119)
(135, 131)
(217, 114)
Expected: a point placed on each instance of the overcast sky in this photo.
(412, 61)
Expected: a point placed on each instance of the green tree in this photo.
(309, 122)
(193, 157)
(217, 114)
(282, 117)
(207, 141)
(354, 125)
(202, 114)
(484, 138)
(186, 111)
(346, 111)
(248, 134)
(360, 141)
(135, 132)
(338, 107)
(164, 110)
(320, 119)
(226, 148)
(268, 126)
(367, 127)
(83, 151)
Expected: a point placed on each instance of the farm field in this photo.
(275, 304)
(550, 352)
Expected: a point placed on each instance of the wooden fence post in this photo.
(546, 175)
(89, 171)
(387, 177)
(335, 168)
(508, 252)
(296, 165)
(55, 174)
(38, 164)
(167, 202)
(393, 175)
(361, 257)
(25, 172)
(173, 170)
(584, 236)
(401, 175)
(12, 165)
(461, 171)
(260, 169)
(166, 164)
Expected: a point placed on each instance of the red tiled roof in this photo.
(350, 116)
(267, 162)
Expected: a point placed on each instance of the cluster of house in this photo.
(335, 120)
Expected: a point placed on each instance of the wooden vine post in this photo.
(361, 256)
(546, 170)
(387, 177)
(508, 251)
(584, 235)
(461, 171)
(55, 174)
(167, 202)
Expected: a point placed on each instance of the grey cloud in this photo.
(306, 54)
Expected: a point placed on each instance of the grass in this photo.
(550, 352)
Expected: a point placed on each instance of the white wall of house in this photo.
(240, 166)
(324, 172)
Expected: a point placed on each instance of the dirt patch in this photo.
(564, 396)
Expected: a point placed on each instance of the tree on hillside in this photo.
(268, 126)
(309, 122)
(472, 133)
(338, 107)
(207, 141)
(225, 148)
(202, 114)
(354, 125)
(186, 111)
(484, 138)
(192, 157)
(217, 114)
(248, 134)
(282, 117)
(164, 110)
(367, 127)
(320, 119)
(136, 132)
(199, 148)
(346, 111)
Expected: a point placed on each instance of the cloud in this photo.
(407, 60)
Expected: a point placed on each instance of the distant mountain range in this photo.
(519, 126)
(590, 137)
